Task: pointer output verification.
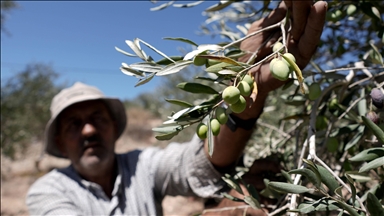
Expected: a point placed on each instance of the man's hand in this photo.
(307, 26)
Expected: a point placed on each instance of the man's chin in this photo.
(92, 162)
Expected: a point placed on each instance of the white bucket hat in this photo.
(80, 92)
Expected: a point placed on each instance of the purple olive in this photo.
(377, 98)
(373, 117)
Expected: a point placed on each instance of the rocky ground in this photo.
(17, 175)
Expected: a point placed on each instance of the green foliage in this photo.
(25, 102)
(347, 66)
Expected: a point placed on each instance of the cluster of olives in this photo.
(215, 123)
(280, 68)
(377, 98)
(234, 96)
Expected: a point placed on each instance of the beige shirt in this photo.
(144, 178)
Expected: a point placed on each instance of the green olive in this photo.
(321, 122)
(215, 127)
(231, 94)
(332, 105)
(202, 130)
(249, 79)
(280, 70)
(351, 9)
(272, 63)
(221, 115)
(314, 91)
(244, 88)
(239, 106)
(332, 144)
(277, 46)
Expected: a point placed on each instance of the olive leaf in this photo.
(146, 67)
(179, 102)
(362, 104)
(228, 196)
(125, 53)
(211, 144)
(127, 70)
(254, 203)
(185, 40)
(373, 205)
(188, 5)
(311, 176)
(375, 129)
(348, 208)
(353, 189)
(167, 129)
(145, 80)
(223, 59)
(167, 136)
(166, 61)
(368, 154)
(174, 68)
(327, 178)
(162, 6)
(252, 191)
(154, 49)
(298, 72)
(373, 164)
(283, 187)
(134, 45)
(219, 6)
(323, 204)
(223, 65)
(356, 138)
(358, 177)
(232, 183)
(196, 88)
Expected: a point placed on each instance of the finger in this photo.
(313, 29)
(300, 11)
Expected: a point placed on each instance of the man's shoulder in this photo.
(55, 179)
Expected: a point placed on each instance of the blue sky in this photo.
(78, 38)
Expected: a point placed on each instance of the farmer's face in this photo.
(87, 135)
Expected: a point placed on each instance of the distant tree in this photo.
(6, 7)
(25, 102)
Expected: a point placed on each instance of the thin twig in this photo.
(366, 79)
(225, 208)
(350, 68)
(279, 210)
(252, 34)
(282, 133)
(350, 107)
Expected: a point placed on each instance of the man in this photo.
(85, 125)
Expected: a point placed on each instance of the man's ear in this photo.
(60, 146)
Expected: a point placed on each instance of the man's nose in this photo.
(88, 130)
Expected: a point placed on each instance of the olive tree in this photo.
(25, 102)
(329, 133)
